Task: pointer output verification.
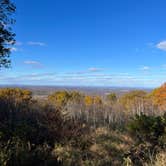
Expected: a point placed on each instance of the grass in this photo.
(107, 148)
(158, 160)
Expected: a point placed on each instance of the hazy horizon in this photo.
(74, 86)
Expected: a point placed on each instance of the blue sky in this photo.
(89, 42)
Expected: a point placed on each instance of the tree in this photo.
(148, 128)
(7, 8)
(15, 94)
(88, 100)
(134, 101)
(159, 97)
(76, 97)
(111, 98)
(59, 98)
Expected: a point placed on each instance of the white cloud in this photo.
(31, 62)
(145, 68)
(36, 43)
(162, 45)
(94, 69)
(87, 71)
(114, 79)
(34, 64)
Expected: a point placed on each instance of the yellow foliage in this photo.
(133, 98)
(76, 97)
(15, 94)
(97, 100)
(59, 98)
(88, 100)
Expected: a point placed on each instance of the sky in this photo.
(88, 43)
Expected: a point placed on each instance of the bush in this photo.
(149, 133)
(16, 152)
(149, 129)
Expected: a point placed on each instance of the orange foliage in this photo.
(159, 96)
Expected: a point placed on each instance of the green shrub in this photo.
(149, 133)
(151, 129)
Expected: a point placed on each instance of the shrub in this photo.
(149, 133)
(16, 152)
(149, 129)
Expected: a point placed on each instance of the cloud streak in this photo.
(90, 80)
(32, 43)
(89, 70)
(145, 68)
(94, 69)
(34, 64)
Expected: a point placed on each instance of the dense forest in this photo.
(69, 128)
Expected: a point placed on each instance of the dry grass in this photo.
(110, 145)
(107, 148)
(160, 159)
